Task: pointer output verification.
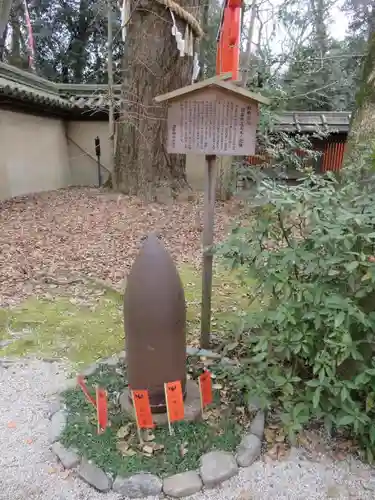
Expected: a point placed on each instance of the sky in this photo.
(340, 22)
(337, 25)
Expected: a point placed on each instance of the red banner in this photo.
(141, 402)
(174, 400)
(83, 386)
(205, 387)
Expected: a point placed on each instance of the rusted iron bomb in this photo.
(155, 323)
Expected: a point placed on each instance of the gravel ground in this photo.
(29, 471)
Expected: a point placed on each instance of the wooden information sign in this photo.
(213, 117)
(213, 123)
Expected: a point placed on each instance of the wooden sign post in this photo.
(213, 117)
(208, 240)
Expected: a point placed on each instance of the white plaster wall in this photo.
(81, 147)
(33, 154)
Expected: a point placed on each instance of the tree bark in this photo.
(152, 66)
(318, 9)
(15, 58)
(3, 38)
(5, 6)
(361, 142)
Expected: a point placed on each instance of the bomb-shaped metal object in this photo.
(155, 323)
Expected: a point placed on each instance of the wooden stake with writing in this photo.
(137, 421)
(168, 414)
(101, 409)
(208, 239)
(142, 411)
(175, 403)
(205, 389)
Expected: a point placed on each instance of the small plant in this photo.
(118, 451)
(310, 350)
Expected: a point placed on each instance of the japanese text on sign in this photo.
(142, 408)
(175, 401)
(210, 125)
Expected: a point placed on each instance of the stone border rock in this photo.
(215, 466)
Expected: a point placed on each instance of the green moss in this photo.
(229, 297)
(194, 438)
(3, 324)
(63, 328)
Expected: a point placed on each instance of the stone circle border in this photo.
(215, 466)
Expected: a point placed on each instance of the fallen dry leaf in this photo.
(183, 449)
(269, 434)
(148, 436)
(48, 237)
(312, 441)
(124, 431)
(280, 438)
(277, 452)
(122, 446)
(129, 453)
(148, 449)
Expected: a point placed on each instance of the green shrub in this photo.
(310, 350)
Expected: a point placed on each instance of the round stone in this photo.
(182, 484)
(216, 467)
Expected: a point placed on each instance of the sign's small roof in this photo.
(218, 82)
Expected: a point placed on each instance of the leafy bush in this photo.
(310, 350)
(282, 152)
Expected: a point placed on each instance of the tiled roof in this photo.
(312, 121)
(89, 99)
(18, 84)
(23, 86)
(94, 102)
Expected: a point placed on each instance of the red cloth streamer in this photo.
(228, 48)
(83, 386)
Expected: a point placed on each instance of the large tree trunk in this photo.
(5, 6)
(361, 142)
(16, 58)
(152, 66)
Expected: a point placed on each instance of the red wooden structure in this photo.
(332, 151)
(227, 61)
(332, 154)
(228, 39)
